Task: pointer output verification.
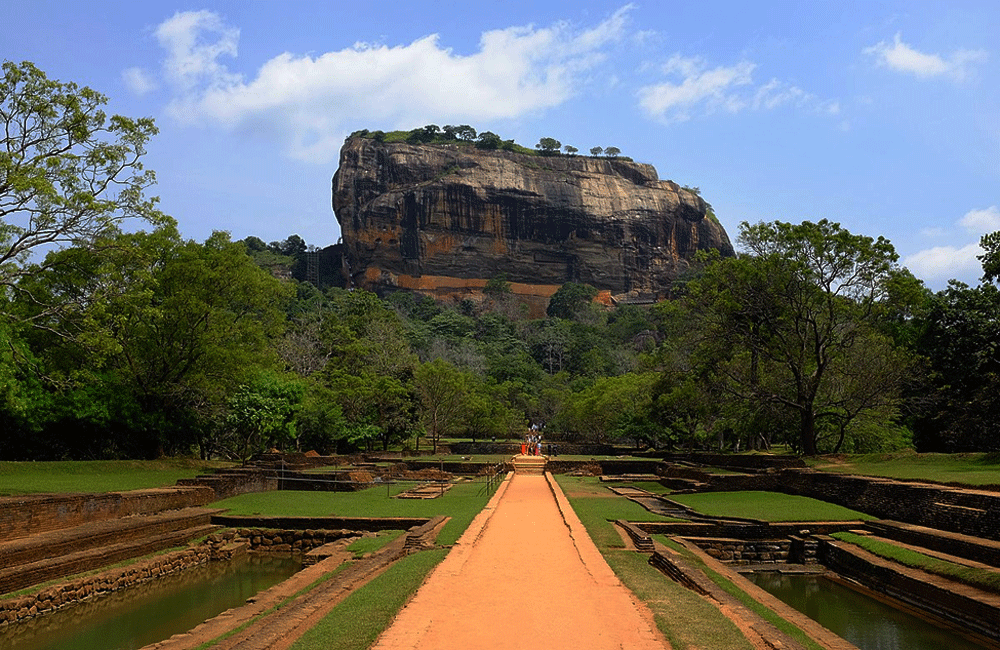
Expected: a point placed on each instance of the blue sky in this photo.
(883, 116)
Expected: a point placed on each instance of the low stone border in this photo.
(49, 599)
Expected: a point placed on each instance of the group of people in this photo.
(533, 444)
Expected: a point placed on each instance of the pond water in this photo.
(152, 611)
(867, 622)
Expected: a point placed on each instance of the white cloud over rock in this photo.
(901, 57)
(310, 101)
(695, 87)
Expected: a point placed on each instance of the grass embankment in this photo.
(950, 469)
(18, 478)
(686, 619)
(979, 578)
(745, 599)
(767, 506)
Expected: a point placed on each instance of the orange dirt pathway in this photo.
(524, 575)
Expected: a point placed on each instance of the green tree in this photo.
(261, 414)
(570, 149)
(961, 339)
(443, 392)
(596, 151)
(569, 299)
(990, 259)
(790, 323)
(612, 152)
(548, 146)
(69, 174)
(488, 140)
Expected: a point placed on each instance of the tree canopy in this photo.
(69, 173)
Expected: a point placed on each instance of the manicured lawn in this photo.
(462, 502)
(767, 506)
(597, 507)
(961, 469)
(99, 475)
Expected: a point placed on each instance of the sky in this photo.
(883, 116)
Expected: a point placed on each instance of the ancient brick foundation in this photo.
(30, 515)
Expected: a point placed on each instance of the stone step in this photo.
(52, 568)
(530, 464)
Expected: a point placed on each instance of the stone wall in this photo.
(320, 523)
(736, 461)
(971, 512)
(749, 530)
(29, 515)
(903, 584)
(233, 483)
(745, 551)
(270, 540)
(512, 448)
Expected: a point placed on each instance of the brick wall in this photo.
(30, 515)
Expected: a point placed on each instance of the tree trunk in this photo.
(807, 431)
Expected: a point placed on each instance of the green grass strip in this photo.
(767, 506)
(748, 601)
(979, 578)
(356, 622)
(686, 619)
(961, 469)
(367, 545)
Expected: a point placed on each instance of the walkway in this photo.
(524, 575)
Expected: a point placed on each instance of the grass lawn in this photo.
(597, 507)
(960, 469)
(767, 506)
(462, 502)
(99, 475)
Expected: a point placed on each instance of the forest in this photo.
(121, 339)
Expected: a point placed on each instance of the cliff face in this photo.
(444, 219)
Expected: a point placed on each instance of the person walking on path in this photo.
(482, 596)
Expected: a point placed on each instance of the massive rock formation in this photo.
(444, 219)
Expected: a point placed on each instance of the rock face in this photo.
(444, 219)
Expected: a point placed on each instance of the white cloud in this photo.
(901, 57)
(310, 101)
(938, 264)
(138, 81)
(981, 222)
(727, 88)
(194, 41)
(712, 89)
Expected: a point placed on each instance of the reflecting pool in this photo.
(867, 622)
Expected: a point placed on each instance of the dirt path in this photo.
(524, 575)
